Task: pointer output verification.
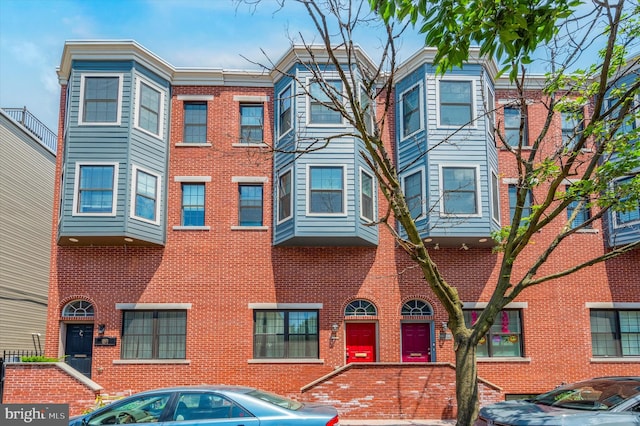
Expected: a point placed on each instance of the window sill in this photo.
(285, 361)
(182, 144)
(191, 228)
(587, 231)
(631, 359)
(249, 228)
(503, 359)
(151, 361)
(250, 145)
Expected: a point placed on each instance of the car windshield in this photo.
(592, 395)
(271, 398)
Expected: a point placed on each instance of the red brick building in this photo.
(186, 251)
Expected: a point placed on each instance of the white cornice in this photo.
(426, 55)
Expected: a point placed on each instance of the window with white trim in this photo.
(615, 333)
(320, 111)
(285, 111)
(456, 102)
(366, 196)
(78, 309)
(100, 96)
(460, 194)
(95, 189)
(410, 111)
(326, 190)
(630, 212)
(284, 196)
(495, 197)
(414, 193)
(149, 99)
(285, 334)
(154, 334)
(145, 196)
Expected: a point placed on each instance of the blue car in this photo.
(604, 401)
(210, 405)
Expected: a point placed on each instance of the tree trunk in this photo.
(466, 382)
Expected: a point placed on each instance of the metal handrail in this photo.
(45, 135)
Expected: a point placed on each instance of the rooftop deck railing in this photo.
(46, 136)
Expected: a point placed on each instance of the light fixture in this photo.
(334, 332)
(437, 246)
(129, 240)
(73, 240)
(101, 328)
(464, 247)
(445, 325)
(428, 240)
(482, 240)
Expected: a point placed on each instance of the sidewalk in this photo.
(417, 422)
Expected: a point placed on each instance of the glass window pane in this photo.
(250, 205)
(603, 333)
(455, 102)
(413, 194)
(284, 196)
(146, 189)
(326, 190)
(459, 185)
(251, 123)
(284, 111)
(319, 113)
(149, 109)
(193, 204)
(96, 189)
(100, 99)
(366, 195)
(411, 111)
(195, 122)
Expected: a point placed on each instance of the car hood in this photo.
(523, 413)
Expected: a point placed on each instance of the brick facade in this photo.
(220, 271)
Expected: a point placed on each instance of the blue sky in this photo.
(198, 33)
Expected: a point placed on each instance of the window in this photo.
(78, 308)
(490, 109)
(459, 191)
(366, 196)
(416, 307)
(145, 408)
(615, 333)
(583, 215)
(632, 213)
(284, 196)
(513, 200)
(95, 189)
(285, 113)
(572, 127)
(411, 117)
(207, 406)
(456, 107)
(251, 123)
(193, 204)
(145, 203)
(195, 122)
(250, 205)
(154, 334)
(367, 106)
(326, 190)
(512, 117)
(414, 193)
(504, 338)
(360, 308)
(319, 111)
(495, 197)
(149, 109)
(285, 334)
(100, 99)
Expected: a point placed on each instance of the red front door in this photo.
(416, 342)
(361, 342)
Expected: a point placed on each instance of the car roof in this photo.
(221, 388)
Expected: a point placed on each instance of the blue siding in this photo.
(118, 143)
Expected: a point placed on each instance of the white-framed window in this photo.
(285, 110)
(319, 113)
(456, 100)
(495, 197)
(490, 101)
(284, 196)
(95, 190)
(368, 108)
(367, 196)
(100, 99)
(326, 195)
(459, 190)
(145, 195)
(631, 215)
(149, 107)
(413, 186)
(411, 117)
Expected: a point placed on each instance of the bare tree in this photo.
(601, 102)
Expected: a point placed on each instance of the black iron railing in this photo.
(34, 126)
(14, 355)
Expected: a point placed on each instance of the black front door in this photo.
(79, 347)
